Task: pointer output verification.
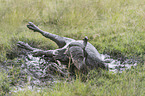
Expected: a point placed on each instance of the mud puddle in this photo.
(38, 73)
(116, 65)
(36, 69)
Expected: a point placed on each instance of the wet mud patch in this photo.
(119, 64)
(24, 69)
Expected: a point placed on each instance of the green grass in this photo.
(4, 83)
(111, 26)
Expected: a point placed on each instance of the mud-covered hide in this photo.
(77, 55)
(88, 57)
(82, 54)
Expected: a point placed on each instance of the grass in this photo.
(112, 26)
(4, 83)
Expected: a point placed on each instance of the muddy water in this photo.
(35, 65)
(116, 65)
(37, 72)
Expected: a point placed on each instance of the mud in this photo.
(35, 71)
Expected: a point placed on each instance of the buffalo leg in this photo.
(60, 41)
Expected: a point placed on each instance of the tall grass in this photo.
(111, 26)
